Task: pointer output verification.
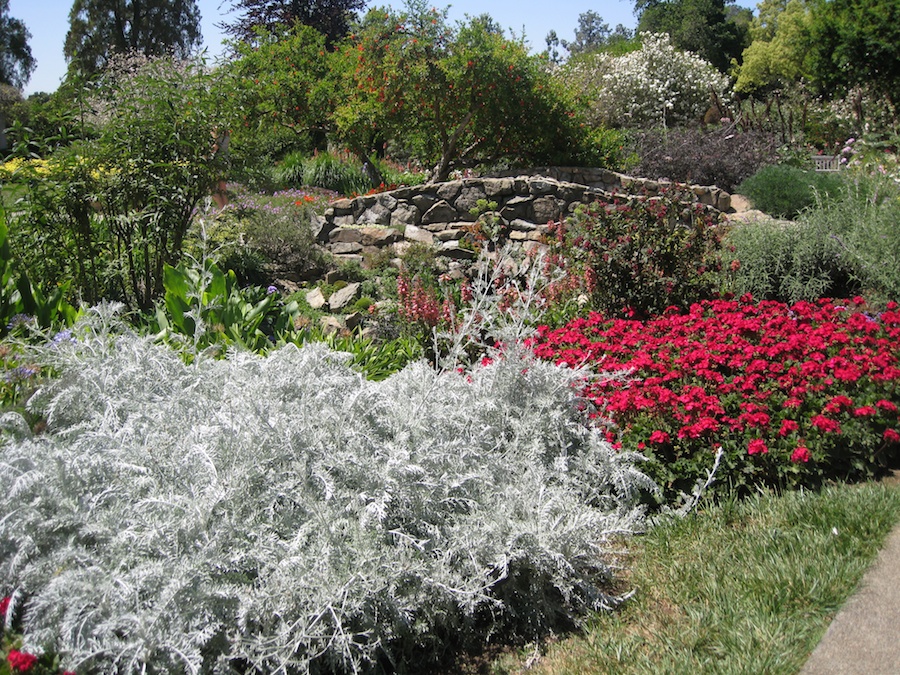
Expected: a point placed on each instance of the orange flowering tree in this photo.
(456, 96)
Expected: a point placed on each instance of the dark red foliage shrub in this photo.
(722, 156)
(639, 256)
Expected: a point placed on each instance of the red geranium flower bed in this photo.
(792, 393)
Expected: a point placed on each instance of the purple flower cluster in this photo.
(20, 374)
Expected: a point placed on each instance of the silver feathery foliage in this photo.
(281, 514)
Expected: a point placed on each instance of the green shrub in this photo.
(784, 191)
(205, 307)
(774, 260)
(639, 257)
(261, 238)
(20, 298)
(57, 234)
(375, 359)
(326, 170)
(289, 172)
(396, 174)
(419, 260)
(863, 229)
(656, 85)
(362, 304)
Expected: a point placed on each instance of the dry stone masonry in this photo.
(437, 214)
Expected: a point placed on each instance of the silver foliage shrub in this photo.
(283, 514)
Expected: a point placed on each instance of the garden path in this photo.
(864, 637)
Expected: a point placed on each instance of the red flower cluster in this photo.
(20, 662)
(760, 379)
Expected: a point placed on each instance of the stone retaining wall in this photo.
(438, 213)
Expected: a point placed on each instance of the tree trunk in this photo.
(369, 168)
(441, 172)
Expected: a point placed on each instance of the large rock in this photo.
(343, 297)
(570, 192)
(452, 249)
(441, 212)
(341, 207)
(448, 191)
(345, 247)
(546, 209)
(517, 207)
(723, 202)
(315, 299)
(413, 233)
(498, 187)
(345, 235)
(387, 200)
(320, 227)
(543, 186)
(331, 325)
(526, 235)
(379, 236)
(353, 321)
(377, 214)
(450, 234)
(424, 201)
(406, 214)
(344, 221)
(468, 200)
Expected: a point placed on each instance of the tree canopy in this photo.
(16, 61)
(283, 80)
(457, 96)
(832, 44)
(656, 85)
(593, 34)
(704, 27)
(100, 28)
(778, 54)
(854, 42)
(330, 17)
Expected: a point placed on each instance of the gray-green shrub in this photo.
(283, 514)
(846, 245)
(261, 238)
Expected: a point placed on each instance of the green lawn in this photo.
(741, 587)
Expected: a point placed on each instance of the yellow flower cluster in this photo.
(19, 165)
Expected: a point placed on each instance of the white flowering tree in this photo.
(657, 85)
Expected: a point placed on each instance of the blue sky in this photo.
(48, 21)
